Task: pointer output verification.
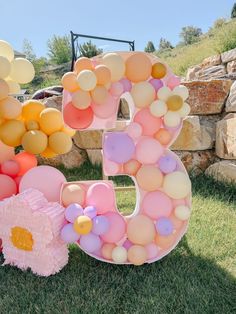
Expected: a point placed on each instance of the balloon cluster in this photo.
(38, 129)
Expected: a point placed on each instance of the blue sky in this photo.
(139, 20)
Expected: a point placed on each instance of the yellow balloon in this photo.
(32, 125)
(4, 89)
(143, 94)
(66, 129)
(60, 142)
(6, 50)
(14, 87)
(115, 64)
(11, 132)
(34, 142)
(48, 153)
(22, 71)
(5, 67)
(50, 120)
(83, 225)
(31, 110)
(10, 108)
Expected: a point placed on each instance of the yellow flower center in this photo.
(83, 225)
(22, 239)
(174, 103)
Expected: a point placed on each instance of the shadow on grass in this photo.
(179, 283)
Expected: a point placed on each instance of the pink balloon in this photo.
(46, 179)
(107, 109)
(152, 250)
(7, 186)
(116, 229)
(101, 196)
(150, 124)
(111, 168)
(6, 152)
(10, 168)
(157, 204)
(148, 150)
(134, 130)
(127, 85)
(173, 81)
(116, 89)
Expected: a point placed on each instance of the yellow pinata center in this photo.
(22, 239)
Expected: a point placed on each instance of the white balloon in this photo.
(177, 185)
(181, 91)
(184, 110)
(182, 212)
(6, 50)
(22, 71)
(172, 119)
(158, 108)
(87, 80)
(119, 254)
(14, 87)
(5, 67)
(164, 93)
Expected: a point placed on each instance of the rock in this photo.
(231, 67)
(73, 159)
(197, 162)
(192, 73)
(195, 135)
(211, 61)
(207, 97)
(48, 92)
(228, 56)
(88, 139)
(217, 71)
(231, 101)
(95, 156)
(53, 102)
(226, 137)
(224, 171)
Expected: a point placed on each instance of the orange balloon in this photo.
(137, 255)
(107, 250)
(149, 178)
(141, 230)
(31, 109)
(34, 142)
(69, 82)
(83, 63)
(163, 136)
(174, 103)
(10, 108)
(103, 74)
(26, 162)
(165, 242)
(4, 89)
(159, 70)
(131, 167)
(177, 223)
(138, 67)
(81, 99)
(50, 120)
(48, 153)
(99, 95)
(11, 132)
(60, 142)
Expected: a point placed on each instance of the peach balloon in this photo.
(107, 250)
(177, 185)
(115, 64)
(131, 167)
(83, 63)
(99, 95)
(177, 223)
(150, 124)
(152, 250)
(159, 70)
(116, 89)
(69, 82)
(31, 110)
(103, 74)
(50, 120)
(10, 108)
(149, 178)
(163, 136)
(11, 132)
(116, 229)
(81, 99)
(148, 150)
(137, 255)
(143, 94)
(26, 162)
(165, 242)
(73, 193)
(7, 152)
(4, 89)
(141, 230)
(60, 142)
(34, 142)
(138, 67)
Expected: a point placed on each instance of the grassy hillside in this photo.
(217, 40)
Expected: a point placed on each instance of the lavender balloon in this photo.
(90, 211)
(68, 234)
(167, 164)
(157, 84)
(100, 225)
(73, 211)
(118, 147)
(90, 242)
(164, 226)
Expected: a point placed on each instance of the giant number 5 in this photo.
(157, 106)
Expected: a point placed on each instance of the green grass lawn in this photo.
(197, 277)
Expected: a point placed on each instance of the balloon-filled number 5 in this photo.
(158, 105)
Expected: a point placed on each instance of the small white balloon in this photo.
(184, 110)
(5, 67)
(172, 119)
(182, 212)
(119, 255)
(22, 71)
(87, 80)
(6, 50)
(164, 93)
(181, 91)
(158, 108)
